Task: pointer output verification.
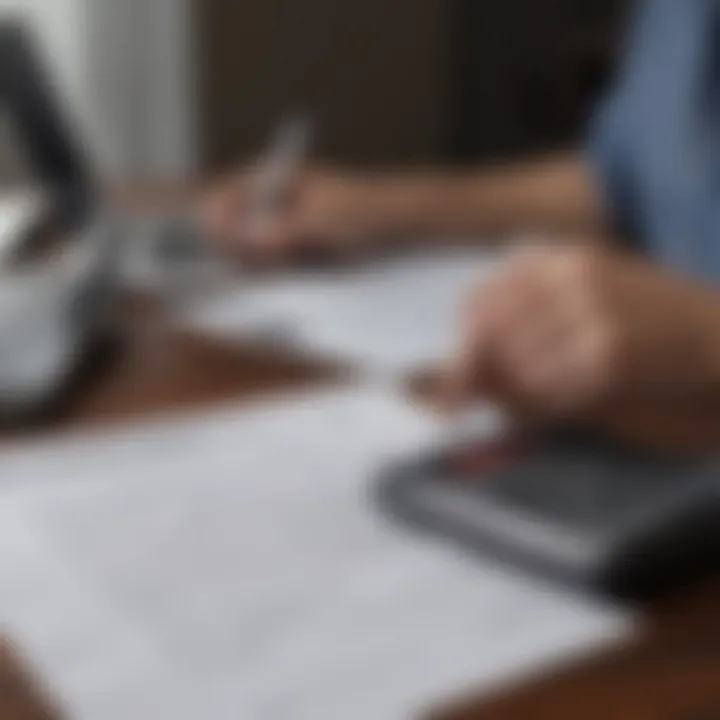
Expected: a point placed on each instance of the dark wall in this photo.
(374, 74)
(401, 81)
(526, 72)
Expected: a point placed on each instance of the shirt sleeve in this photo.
(610, 146)
(610, 153)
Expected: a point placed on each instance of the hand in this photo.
(324, 213)
(566, 330)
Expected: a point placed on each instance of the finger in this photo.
(213, 212)
(221, 211)
(551, 324)
(265, 240)
(524, 289)
(567, 378)
(463, 374)
(544, 308)
(488, 309)
(462, 377)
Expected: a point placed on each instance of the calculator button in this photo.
(472, 462)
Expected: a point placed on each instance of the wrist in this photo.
(391, 209)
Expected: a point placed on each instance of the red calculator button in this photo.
(483, 458)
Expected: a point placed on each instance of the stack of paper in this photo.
(234, 567)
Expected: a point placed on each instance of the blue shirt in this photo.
(656, 139)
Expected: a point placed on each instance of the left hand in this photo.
(565, 330)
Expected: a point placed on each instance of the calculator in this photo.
(572, 506)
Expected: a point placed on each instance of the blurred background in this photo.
(177, 87)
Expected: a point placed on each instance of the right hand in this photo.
(323, 214)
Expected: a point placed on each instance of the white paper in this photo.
(233, 567)
(388, 318)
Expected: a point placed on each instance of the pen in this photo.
(179, 241)
(285, 157)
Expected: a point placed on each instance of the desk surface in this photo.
(671, 672)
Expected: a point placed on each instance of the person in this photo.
(619, 303)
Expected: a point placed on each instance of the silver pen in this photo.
(287, 154)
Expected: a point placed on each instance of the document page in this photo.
(388, 318)
(234, 566)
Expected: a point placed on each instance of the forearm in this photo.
(553, 195)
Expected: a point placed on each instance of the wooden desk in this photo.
(671, 672)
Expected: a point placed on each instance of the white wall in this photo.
(125, 68)
(141, 83)
(59, 24)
